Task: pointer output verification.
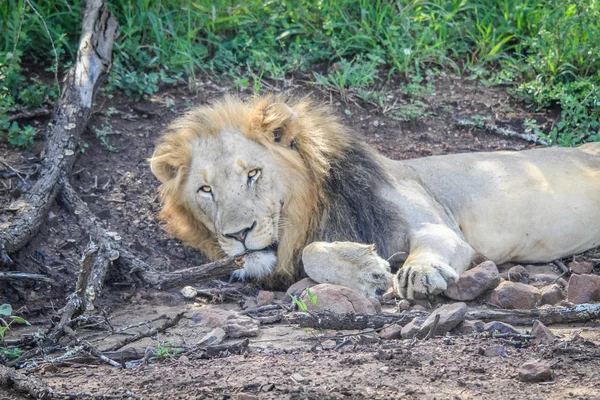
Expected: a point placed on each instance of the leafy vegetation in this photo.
(548, 51)
(6, 320)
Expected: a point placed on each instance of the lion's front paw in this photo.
(258, 264)
(420, 280)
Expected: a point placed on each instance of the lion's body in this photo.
(271, 178)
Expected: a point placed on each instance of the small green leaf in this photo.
(6, 310)
(19, 320)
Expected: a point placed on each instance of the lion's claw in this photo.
(423, 280)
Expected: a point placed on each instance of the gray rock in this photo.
(581, 267)
(189, 293)
(541, 280)
(241, 327)
(514, 295)
(391, 332)
(389, 295)
(468, 327)
(411, 329)
(216, 336)
(403, 305)
(584, 289)
(552, 294)
(264, 297)
(494, 350)
(535, 371)
(500, 327)
(338, 299)
(542, 334)
(450, 316)
(474, 282)
(518, 273)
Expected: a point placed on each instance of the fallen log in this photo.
(547, 316)
(330, 320)
(22, 384)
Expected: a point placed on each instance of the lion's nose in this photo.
(241, 235)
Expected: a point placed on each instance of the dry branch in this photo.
(69, 120)
(329, 320)
(547, 316)
(28, 385)
(167, 324)
(22, 276)
(530, 137)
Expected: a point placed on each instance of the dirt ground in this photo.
(281, 362)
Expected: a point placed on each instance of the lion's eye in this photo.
(205, 189)
(253, 174)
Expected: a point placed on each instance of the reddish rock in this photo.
(264, 297)
(297, 288)
(403, 305)
(499, 327)
(542, 334)
(552, 294)
(581, 267)
(535, 371)
(391, 332)
(518, 273)
(474, 282)
(411, 329)
(584, 289)
(514, 295)
(468, 327)
(338, 299)
(450, 316)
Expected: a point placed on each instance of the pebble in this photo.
(552, 294)
(450, 316)
(246, 396)
(298, 378)
(518, 273)
(264, 297)
(404, 305)
(535, 371)
(468, 327)
(338, 299)
(494, 350)
(391, 332)
(514, 295)
(542, 334)
(500, 327)
(189, 293)
(581, 267)
(584, 289)
(474, 282)
(411, 329)
(214, 337)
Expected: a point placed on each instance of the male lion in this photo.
(270, 176)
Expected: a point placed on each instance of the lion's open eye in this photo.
(254, 174)
(205, 189)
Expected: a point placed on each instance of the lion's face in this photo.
(233, 188)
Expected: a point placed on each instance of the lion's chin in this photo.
(257, 264)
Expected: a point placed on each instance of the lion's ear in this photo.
(167, 160)
(276, 120)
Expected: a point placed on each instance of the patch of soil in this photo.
(120, 189)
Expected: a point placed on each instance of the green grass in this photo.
(548, 51)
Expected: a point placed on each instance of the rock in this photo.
(418, 307)
(404, 305)
(264, 297)
(189, 293)
(518, 273)
(337, 299)
(541, 280)
(581, 267)
(584, 289)
(298, 378)
(450, 316)
(493, 350)
(542, 334)
(411, 329)
(547, 269)
(376, 304)
(467, 327)
(514, 295)
(242, 327)
(246, 396)
(216, 336)
(299, 287)
(391, 332)
(552, 294)
(474, 282)
(535, 371)
(389, 295)
(500, 327)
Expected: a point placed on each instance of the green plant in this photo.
(165, 350)
(350, 75)
(301, 303)
(6, 320)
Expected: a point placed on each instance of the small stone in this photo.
(514, 295)
(552, 294)
(495, 350)
(268, 387)
(518, 273)
(184, 358)
(474, 282)
(299, 287)
(246, 396)
(389, 295)
(535, 371)
(337, 299)
(264, 297)
(411, 329)
(500, 327)
(542, 334)
(541, 280)
(468, 327)
(584, 289)
(391, 332)
(450, 316)
(404, 305)
(189, 293)
(581, 267)
(214, 337)
(241, 327)
(298, 378)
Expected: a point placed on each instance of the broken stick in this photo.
(547, 316)
(330, 320)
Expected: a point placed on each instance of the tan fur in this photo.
(305, 169)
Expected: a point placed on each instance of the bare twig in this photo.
(22, 276)
(436, 321)
(561, 266)
(167, 324)
(260, 309)
(30, 114)
(503, 131)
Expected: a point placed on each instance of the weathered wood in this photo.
(132, 339)
(547, 316)
(22, 276)
(329, 320)
(27, 385)
(69, 120)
